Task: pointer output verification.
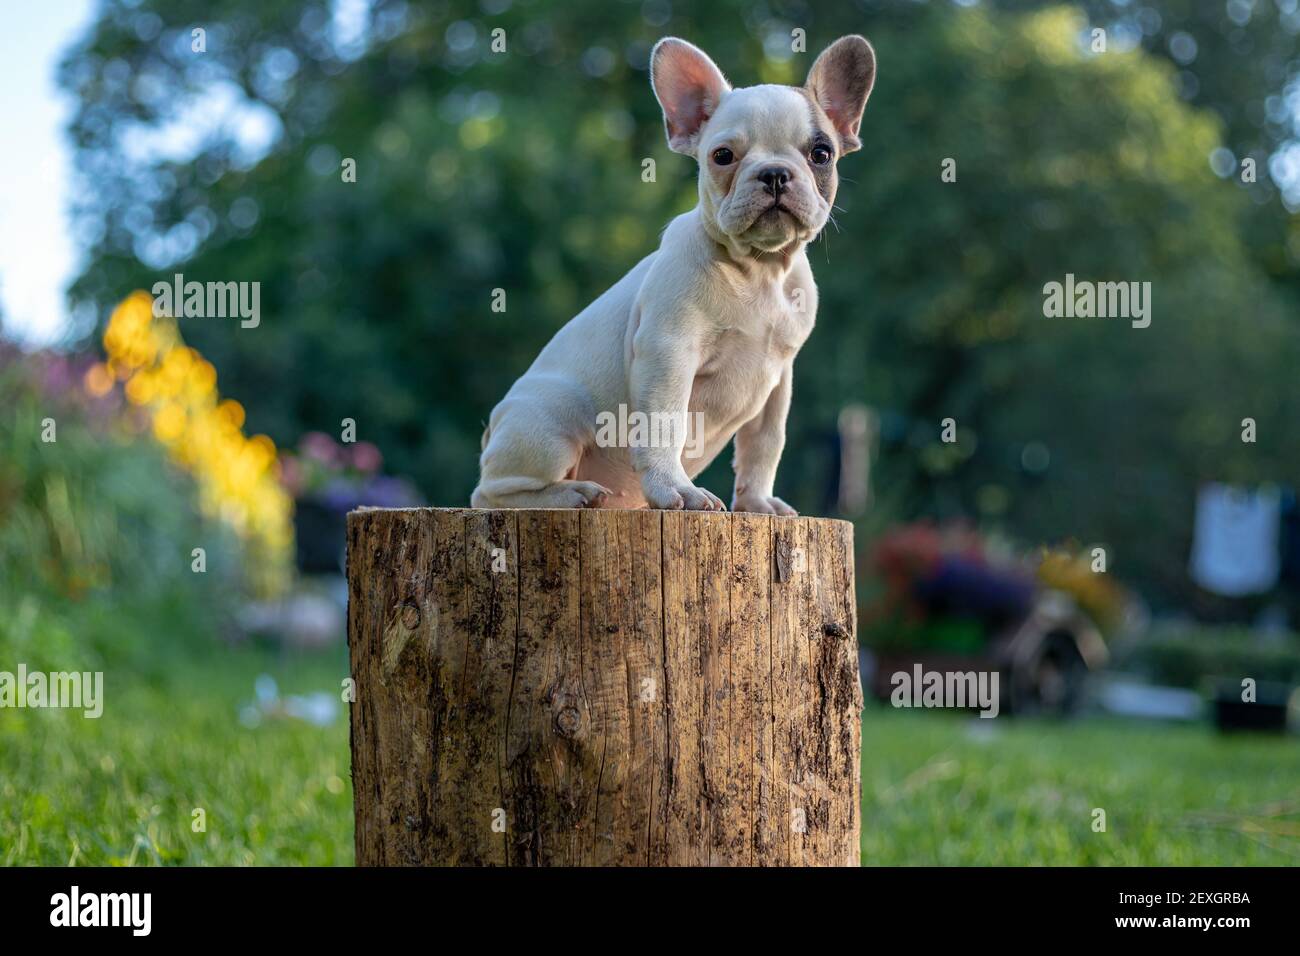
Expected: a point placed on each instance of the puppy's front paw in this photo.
(676, 496)
(762, 505)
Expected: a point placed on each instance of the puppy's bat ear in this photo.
(840, 81)
(689, 87)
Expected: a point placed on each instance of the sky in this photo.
(37, 251)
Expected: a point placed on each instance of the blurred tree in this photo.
(522, 171)
(1239, 59)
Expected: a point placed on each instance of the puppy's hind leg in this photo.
(535, 493)
(522, 469)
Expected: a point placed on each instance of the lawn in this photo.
(937, 789)
(946, 790)
(122, 790)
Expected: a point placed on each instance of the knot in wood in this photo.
(410, 616)
(567, 721)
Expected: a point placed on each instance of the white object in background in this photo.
(1131, 698)
(1235, 547)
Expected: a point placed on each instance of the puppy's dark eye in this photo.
(723, 156)
(820, 155)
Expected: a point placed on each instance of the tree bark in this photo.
(611, 688)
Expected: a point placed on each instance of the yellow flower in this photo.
(141, 389)
(232, 411)
(169, 423)
(203, 433)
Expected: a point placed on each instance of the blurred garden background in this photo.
(1098, 530)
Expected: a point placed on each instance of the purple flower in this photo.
(320, 447)
(366, 457)
(961, 587)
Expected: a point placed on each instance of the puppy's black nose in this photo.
(774, 179)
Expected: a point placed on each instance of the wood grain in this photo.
(603, 688)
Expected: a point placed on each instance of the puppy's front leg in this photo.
(758, 451)
(665, 357)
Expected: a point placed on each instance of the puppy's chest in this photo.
(743, 362)
(768, 325)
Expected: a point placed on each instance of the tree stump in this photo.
(609, 688)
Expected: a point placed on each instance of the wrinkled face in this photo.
(767, 154)
(767, 166)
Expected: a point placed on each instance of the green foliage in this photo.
(1188, 656)
(1240, 72)
(523, 172)
(951, 635)
(96, 534)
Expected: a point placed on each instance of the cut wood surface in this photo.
(610, 688)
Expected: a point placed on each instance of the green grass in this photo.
(937, 789)
(940, 789)
(121, 790)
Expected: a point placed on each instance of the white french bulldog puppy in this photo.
(696, 344)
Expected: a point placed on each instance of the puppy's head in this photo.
(767, 154)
